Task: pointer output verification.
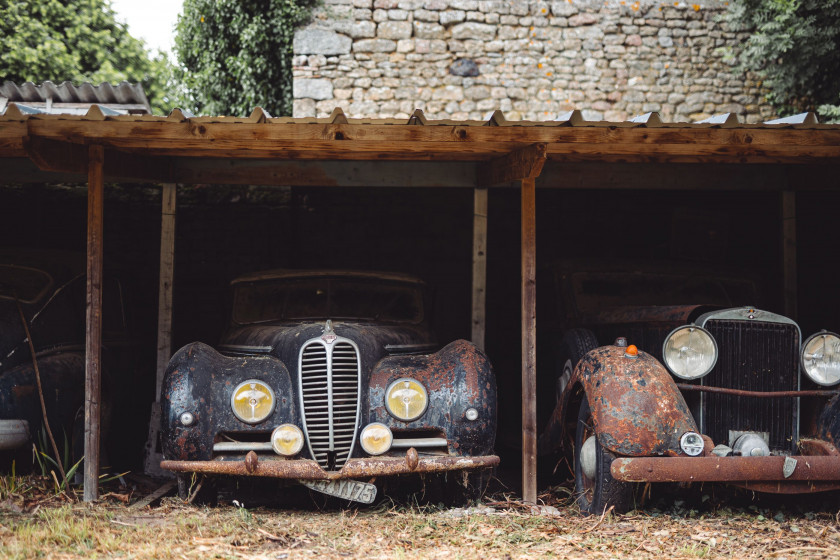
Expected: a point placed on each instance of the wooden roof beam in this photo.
(524, 163)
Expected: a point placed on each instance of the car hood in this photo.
(284, 340)
(679, 314)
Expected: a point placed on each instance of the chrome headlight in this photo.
(287, 440)
(252, 401)
(821, 358)
(406, 399)
(376, 438)
(690, 352)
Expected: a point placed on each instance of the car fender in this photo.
(457, 377)
(636, 406)
(200, 380)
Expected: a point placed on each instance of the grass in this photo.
(34, 524)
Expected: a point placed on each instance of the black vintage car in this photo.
(659, 377)
(329, 379)
(47, 290)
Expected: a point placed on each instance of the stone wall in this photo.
(462, 59)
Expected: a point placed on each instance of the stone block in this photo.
(472, 30)
(464, 4)
(405, 45)
(394, 30)
(398, 15)
(356, 29)
(432, 16)
(452, 16)
(362, 3)
(585, 18)
(385, 4)
(320, 41)
(423, 30)
(375, 46)
(303, 108)
(312, 88)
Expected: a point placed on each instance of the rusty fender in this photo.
(307, 469)
(728, 469)
(457, 377)
(636, 406)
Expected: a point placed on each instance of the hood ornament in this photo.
(329, 335)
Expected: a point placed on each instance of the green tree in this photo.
(237, 54)
(78, 41)
(794, 46)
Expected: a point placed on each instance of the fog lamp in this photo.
(406, 399)
(376, 438)
(692, 444)
(252, 401)
(821, 358)
(690, 352)
(287, 440)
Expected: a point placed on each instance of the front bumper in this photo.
(784, 475)
(307, 469)
(13, 434)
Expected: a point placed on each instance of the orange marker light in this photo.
(631, 351)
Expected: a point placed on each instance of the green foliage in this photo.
(78, 41)
(237, 54)
(794, 46)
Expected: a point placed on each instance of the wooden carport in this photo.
(568, 153)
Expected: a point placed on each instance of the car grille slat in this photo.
(753, 356)
(329, 381)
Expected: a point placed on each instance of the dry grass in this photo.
(36, 524)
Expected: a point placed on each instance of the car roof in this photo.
(286, 273)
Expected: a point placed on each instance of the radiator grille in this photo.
(753, 356)
(329, 384)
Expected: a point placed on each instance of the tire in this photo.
(596, 494)
(575, 345)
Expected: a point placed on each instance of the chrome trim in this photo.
(328, 343)
(746, 314)
(245, 348)
(236, 446)
(419, 442)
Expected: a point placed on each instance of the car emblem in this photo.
(329, 335)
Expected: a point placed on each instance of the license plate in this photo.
(352, 490)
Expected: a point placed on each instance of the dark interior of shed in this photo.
(224, 231)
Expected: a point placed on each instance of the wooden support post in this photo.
(93, 341)
(479, 271)
(789, 253)
(529, 343)
(164, 340)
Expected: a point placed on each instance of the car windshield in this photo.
(595, 291)
(327, 298)
(25, 284)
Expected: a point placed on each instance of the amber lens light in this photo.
(406, 399)
(821, 358)
(376, 438)
(252, 401)
(287, 440)
(690, 352)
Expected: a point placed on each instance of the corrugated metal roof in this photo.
(68, 98)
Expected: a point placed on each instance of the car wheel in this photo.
(574, 346)
(595, 488)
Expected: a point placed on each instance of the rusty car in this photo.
(330, 379)
(663, 375)
(42, 308)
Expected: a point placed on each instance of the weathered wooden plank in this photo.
(93, 341)
(523, 163)
(529, 344)
(479, 266)
(167, 277)
(788, 201)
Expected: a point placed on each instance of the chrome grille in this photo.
(329, 384)
(753, 356)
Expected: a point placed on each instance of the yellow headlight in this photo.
(287, 440)
(376, 438)
(252, 401)
(406, 399)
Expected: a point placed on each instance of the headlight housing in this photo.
(376, 438)
(252, 401)
(406, 399)
(821, 358)
(287, 440)
(690, 352)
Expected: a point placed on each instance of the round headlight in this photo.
(376, 438)
(406, 399)
(821, 358)
(692, 444)
(287, 440)
(252, 401)
(690, 352)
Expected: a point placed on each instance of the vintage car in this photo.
(48, 289)
(329, 379)
(661, 378)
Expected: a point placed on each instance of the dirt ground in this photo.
(35, 522)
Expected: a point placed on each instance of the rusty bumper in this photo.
(803, 473)
(306, 469)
